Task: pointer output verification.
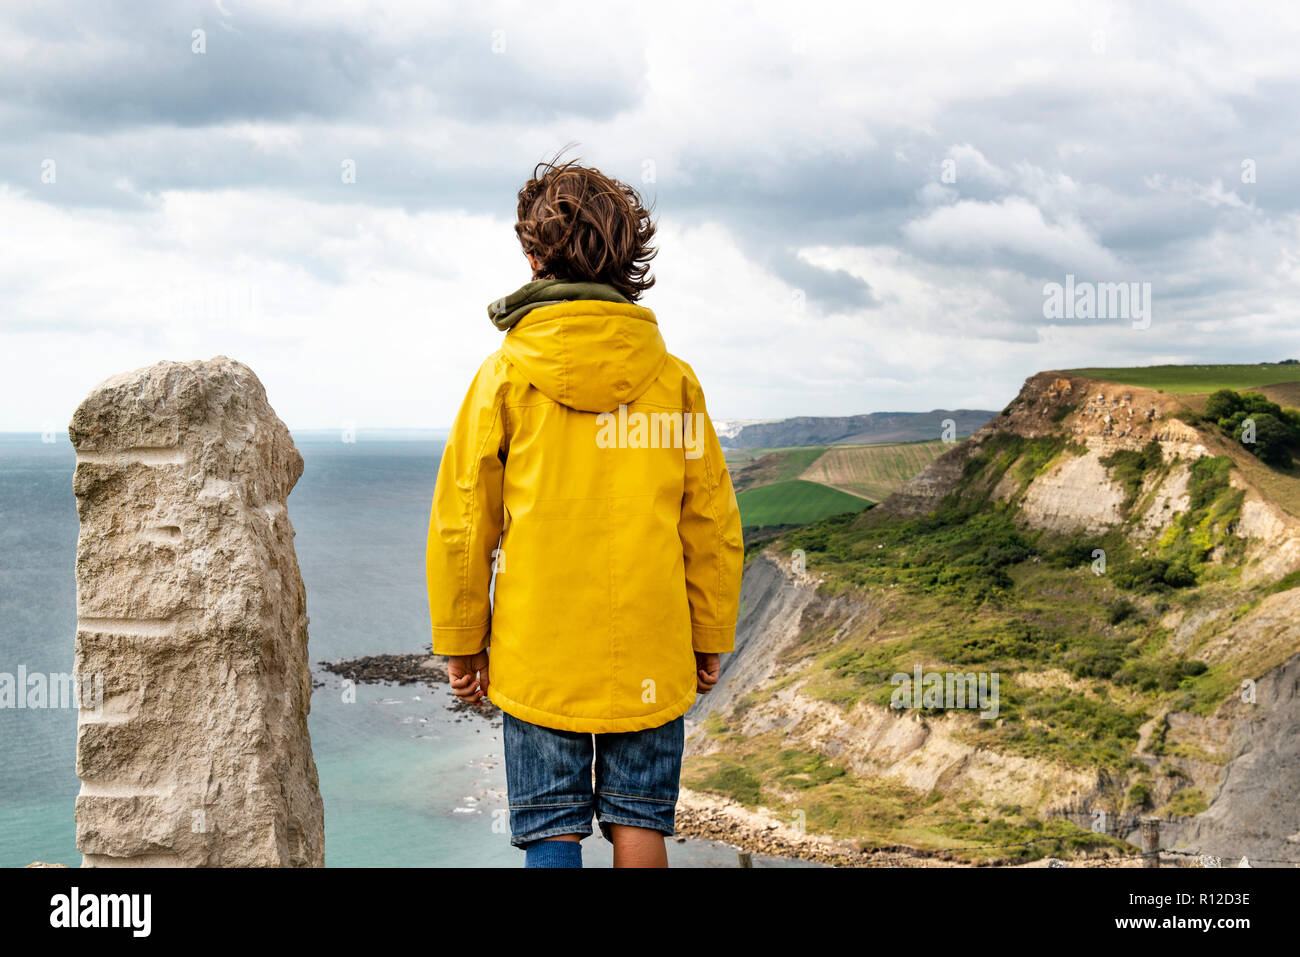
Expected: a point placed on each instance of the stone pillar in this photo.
(191, 607)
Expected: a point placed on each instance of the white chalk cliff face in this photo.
(191, 606)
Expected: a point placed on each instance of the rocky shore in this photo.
(394, 669)
(707, 816)
(403, 670)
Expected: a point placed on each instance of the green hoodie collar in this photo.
(505, 312)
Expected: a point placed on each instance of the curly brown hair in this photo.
(582, 226)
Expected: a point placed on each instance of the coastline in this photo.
(709, 817)
(704, 816)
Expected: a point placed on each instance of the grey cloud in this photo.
(108, 65)
(834, 290)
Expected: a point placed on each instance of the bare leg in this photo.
(638, 846)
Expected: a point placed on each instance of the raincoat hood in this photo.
(590, 354)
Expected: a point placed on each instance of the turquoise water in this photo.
(406, 781)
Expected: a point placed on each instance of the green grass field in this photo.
(794, 502)
(1182, 380)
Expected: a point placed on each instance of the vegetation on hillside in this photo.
(1071, 623)
(1129, 468)
(1262, 427)
(830, 799)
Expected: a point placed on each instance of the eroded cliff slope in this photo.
(1125, 570)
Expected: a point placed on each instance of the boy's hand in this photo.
(707, 667)
(468, 675)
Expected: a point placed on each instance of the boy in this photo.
(582, 468)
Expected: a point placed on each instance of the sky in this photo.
(860, 206)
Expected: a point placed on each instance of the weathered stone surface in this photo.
(1254, 812)
(191, 606)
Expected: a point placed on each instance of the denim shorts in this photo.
(552, 788)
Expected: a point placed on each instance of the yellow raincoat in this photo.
(583, 466)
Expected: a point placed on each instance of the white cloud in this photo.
(1212, 194)
(968, 162)
(988, 230)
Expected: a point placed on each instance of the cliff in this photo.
(1122, 694)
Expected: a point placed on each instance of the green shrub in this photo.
(1120, 610)
(1073, 551)
(1129, 467)
(1277, 430)
(1222, 404)
(1178, 575)
(1207, 478)
(1092, 662)
(1158, 675)
(1139, 795)
(1152, 573)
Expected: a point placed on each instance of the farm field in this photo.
(1191, 379)
(794, 502)
(771, 465)
(872, 471)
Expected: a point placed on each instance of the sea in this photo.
(407, 781)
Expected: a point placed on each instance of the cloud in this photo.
(1212, 194)
(815, 260)
(1012, 227)
(124, 64)
(968, 162)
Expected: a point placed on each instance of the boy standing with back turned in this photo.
(582, 467)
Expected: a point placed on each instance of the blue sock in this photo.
(553, 853)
